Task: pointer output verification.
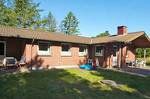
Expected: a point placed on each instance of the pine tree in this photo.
(50, 23)
(27, 12)
(70, 24)
(7, 15)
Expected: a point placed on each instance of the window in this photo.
(65, 49)
(2, 48)
(82, 50)
(98, 50)
(44, 48)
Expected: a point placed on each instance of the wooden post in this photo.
(119, 56)
(144, 56)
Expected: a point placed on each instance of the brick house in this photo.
(41, 48)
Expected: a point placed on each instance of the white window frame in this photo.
(102, 51)
(66, 53)
(44, 52)
(83, 53)
(4, 48)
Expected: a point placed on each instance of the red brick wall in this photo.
(19, 47)
(131, 50)
(123, 56)
(55, 59)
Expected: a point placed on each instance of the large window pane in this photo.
(2, 48)
(99, 51)
(43, 46)
(65, 50)
(82, 49)
(65, 47)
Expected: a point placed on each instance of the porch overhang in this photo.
(141, 42)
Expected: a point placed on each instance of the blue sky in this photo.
(97, 16)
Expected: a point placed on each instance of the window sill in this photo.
(82, 54)
(44, 53)
(98, 54)
(65, 53)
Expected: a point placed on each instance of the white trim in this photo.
(56, 67)
(115, 58)
(102, 51)
(66, 53)
(83, 53)
(4, 48)
(63, 66)
(44, 52)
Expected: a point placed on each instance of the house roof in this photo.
(6, 31)
(118, 38)
(41, 35)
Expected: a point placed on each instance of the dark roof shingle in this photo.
(41, 35)
(118, 38)
(6, 31)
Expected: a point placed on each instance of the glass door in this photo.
(115, 49)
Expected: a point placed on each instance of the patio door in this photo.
(2, 49)
(115, 49)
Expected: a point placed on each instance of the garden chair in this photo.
(141, 63)
(9, 61)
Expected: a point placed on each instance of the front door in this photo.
(115, 55)
(2, 49)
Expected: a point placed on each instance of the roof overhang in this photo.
(142, 41)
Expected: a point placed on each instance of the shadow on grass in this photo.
(61, 84)
(141, 84)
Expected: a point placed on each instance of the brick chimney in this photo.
(122, 30)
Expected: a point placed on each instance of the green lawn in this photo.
(72, 84)
(148, 61)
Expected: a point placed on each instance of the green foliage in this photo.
(18, 13)
(140, 52)
(50, 23)
(27, 12)
(7, 15)
(73, 84)
(106, 33)
(70, 24)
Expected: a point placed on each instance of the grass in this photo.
(72, 84)
(148, 61)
